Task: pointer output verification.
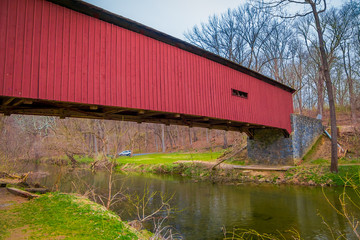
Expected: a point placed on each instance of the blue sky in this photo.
(173, 17)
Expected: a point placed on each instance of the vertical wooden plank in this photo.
(179, 80)
(19, 49)
(10, 48)
(91, 61)
(183, 82)
(43, 56)
(3, 42)
(166, 70)
(113, 66)
(137, 89)
(145, 78)
(139, 70)
(97, 61)
(155, 74)
(107, 96)
(132, 79)
(219, 90)
(202, 94)
(65, 56)
(29, 24)
(34, 85)
(85, 69)
(124, 52)
(195, 85)
(163, 78)
(128, 60)
(150, 86)
(189, 83)
(119, 66)
(102, 63)
(59, 31)
(211, 89)
(174, 94)
(79, 44)
(51, 52)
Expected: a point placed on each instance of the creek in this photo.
(206, 208)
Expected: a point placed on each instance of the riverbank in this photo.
(60, 216)
(198, 166)
(309, 175)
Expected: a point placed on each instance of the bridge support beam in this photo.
(271, 147)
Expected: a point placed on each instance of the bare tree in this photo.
(314, 8)
(348, 21)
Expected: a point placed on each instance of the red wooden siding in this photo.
(53, 53)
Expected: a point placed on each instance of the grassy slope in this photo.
(164, 158)
(160, 158)
(63, 216)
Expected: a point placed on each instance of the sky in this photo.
(173, 17)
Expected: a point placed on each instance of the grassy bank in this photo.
(62, 216)
(197, 166)
(301, 175)
(166, 158)
(155, 158)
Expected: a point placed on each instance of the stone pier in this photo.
(271, 147)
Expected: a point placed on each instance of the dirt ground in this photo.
(7, 199)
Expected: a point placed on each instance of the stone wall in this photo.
(271, 147)
(306, 131)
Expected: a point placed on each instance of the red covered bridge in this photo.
(71, 59)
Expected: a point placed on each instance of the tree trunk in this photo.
(325, 68)
(95, 145)
(190, 138)
(348, 72)
(156, 143)
(352, 102)
(163, 138)
(207, 135)
(146, 138)
(195, 136)
(320, 93)
(171, 140)
(225, 140)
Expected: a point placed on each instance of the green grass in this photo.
(321, 174)
(343, 160)
(320, 161)
(66, 216)
(84, 159)
(311, 152)
(164, 158)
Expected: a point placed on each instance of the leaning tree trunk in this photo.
(320, 97)
(326, 72)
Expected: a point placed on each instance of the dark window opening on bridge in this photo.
(239, 93)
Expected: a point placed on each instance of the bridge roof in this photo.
(134, 26)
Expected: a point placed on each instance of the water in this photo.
(206, 208)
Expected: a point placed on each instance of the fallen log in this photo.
(228, 156)
(22, 193)
(37, 190)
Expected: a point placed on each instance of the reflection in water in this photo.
(206, 207)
